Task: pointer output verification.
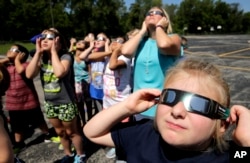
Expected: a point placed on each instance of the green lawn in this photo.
(4, 47)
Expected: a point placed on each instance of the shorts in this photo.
(20, 120)
(64, 112)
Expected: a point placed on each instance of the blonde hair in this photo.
(211, 73)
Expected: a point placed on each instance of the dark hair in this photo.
(23, 50)
(63, 42)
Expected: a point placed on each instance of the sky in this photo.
(244, 4)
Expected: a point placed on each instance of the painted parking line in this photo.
(233, 52)
(225, 55)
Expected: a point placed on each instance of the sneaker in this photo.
(80, 159)
(18, 147)
(55, 139)
(47, 138)
(60, 147)
(67, 159)
(111, 153)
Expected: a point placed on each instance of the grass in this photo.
(4, 47)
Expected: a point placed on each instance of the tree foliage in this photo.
(21, 19)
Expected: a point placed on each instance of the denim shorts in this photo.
(64, 112)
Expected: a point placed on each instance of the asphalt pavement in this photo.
(230, 52)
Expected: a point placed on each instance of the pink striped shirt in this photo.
(21, 94)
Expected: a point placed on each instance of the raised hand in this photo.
(241, 116)
(141, 100)
(163, 22)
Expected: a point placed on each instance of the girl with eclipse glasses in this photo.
(54, 63)
(189, 124)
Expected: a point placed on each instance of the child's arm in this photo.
(19, 67)
(98, 128)
(72, 44)
(60, 66)
(4, 60)
(33, 68)
(87, 51)
(98, 56)
(114, 63)
(107, 48)
(240, 115)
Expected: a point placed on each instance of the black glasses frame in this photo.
(211, 108)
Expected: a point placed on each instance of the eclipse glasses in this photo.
(48, 36)
(14, 50)
(194, 103)
(155, 12)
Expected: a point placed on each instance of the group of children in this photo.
(92, 73)
(55, 65)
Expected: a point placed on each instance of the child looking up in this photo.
(21, 100)
(54, 63)
(189, 124)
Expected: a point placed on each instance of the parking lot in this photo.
(232, 54)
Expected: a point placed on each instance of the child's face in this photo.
(181, 128)
(47, 40)
(80, 44)
(12, 52)
(100, 41)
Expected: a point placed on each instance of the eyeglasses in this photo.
(194, 103)
(100, 38)
(15, 50)
(48, 36)
(155, 12)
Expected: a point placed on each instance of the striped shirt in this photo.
(21, 94)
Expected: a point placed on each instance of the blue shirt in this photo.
(96, 82)
(150, 68)
(81, 71)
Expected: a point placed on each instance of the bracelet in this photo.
(160, 26)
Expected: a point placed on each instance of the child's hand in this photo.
(241, 116)
(72, 41)
(107, 41)
(55, 45)
(142, 100)
(92, 44)
(20, 56)
(38, 46)
(115, 46)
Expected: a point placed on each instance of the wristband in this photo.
(160, 26)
